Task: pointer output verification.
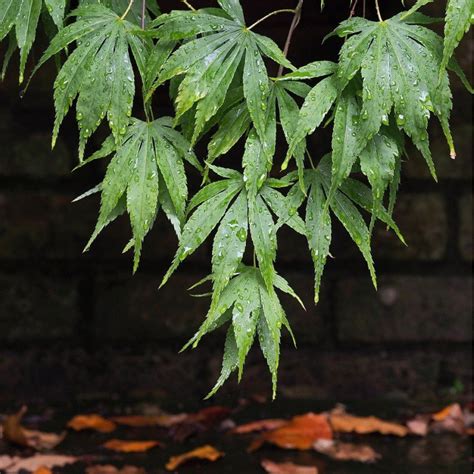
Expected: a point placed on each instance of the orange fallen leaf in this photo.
(260, 425)
(346, 451)
(140, 421)
(287, 468)
(109, 469)
(125, 446)
(342, 422)
(15, 433)
(298, 433)
(91, 422)
(43, 470)
(450, 418)
(206, 452)
(450, 411)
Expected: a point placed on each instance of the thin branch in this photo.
(188, 5)
(353, 9)
(294, 24)
(377, 7)
(143, 14)
(363, 8)
(276, 12)
(127, 10)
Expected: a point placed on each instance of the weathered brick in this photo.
(43, 224)
(57, 373)
(133, 308)
(460, 168)
(35, 306)
(32, 156)
(351, 375)
(405, 309)
(465, 230)
(309, 326)
(423, 222)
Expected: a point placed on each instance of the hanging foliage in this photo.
(392, 75)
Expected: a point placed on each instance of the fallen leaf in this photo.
(15, 433)
(201, 421)
(140, 421)
(109, 469)
(43, 470)
(92, 422)
(419, 425)
(342, 422)
(287, 468)
(125, 446)
(47, 461)
(298, 433)
(346, 451)
(260, 425)
(206, 452)
(450, 411)
(450, 418)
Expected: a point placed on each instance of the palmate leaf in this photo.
(399, 67)
(251, 308)
(147, 170)
(209, 63)
(98, 71)
(22, 16)
(459, 16)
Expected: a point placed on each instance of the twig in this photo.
(353, 9)
(143, 13)
(293, 26)
(188, 5)
(363, 8)
(377, 7)
(127, 10)
(276, 12)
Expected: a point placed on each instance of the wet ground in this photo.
(434, 454)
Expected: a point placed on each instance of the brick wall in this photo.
(76, 325)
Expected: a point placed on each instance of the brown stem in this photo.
(293, 26)
(353, 9)
(143, 14)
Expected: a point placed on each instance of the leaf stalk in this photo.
(125, 13)
(275, 12)
(377, 7)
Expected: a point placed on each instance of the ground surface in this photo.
(434, 454)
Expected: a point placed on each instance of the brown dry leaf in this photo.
(91, 422)
(342, 422)
(287, 468)
(33, 463)
(15, 433)
(126, 446)
(298, 433)
(43, 470)
(260, 425)
(109, 469)
(450, 418)
(141, 421)
(201, 421)
(346, 451)
(206, 452)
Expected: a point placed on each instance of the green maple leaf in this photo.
(145, 172)
(399, 63)
(209, 63)
(99, 71)
(459, 16)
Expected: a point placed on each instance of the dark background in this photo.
(77, 326)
